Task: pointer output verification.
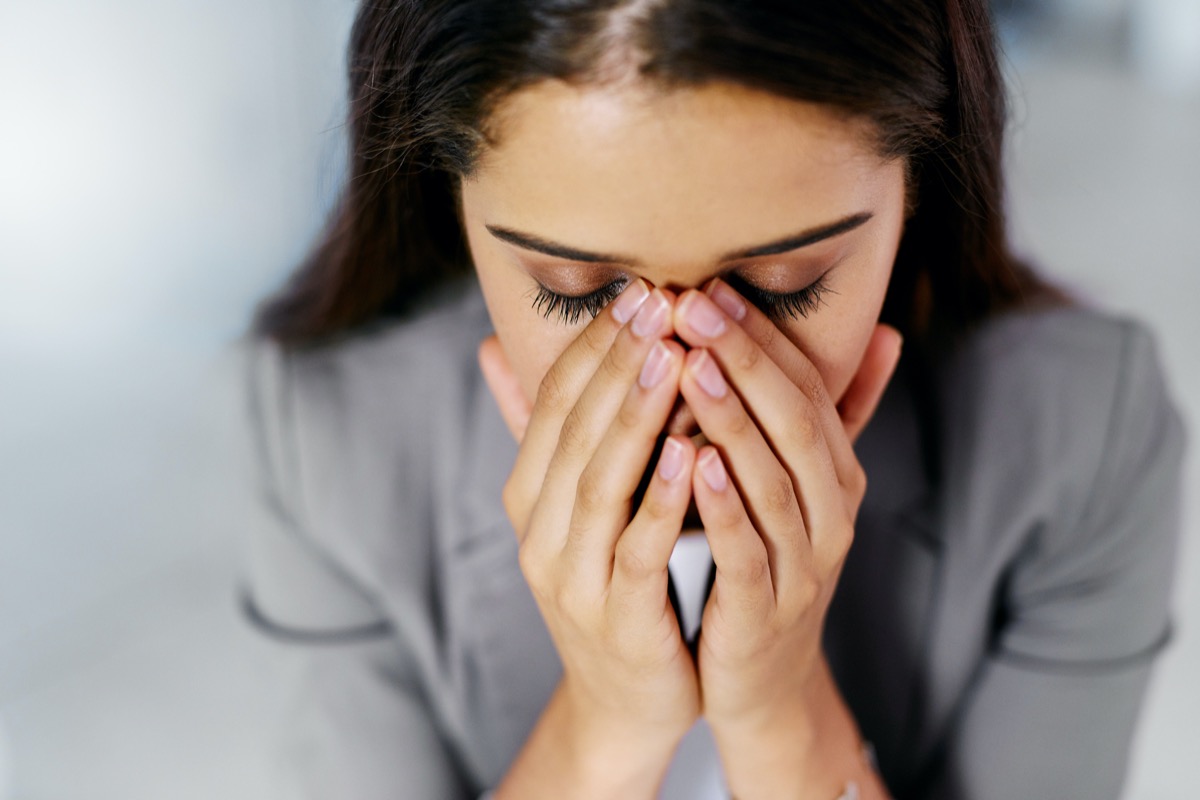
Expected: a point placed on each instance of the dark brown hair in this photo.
(427, 75)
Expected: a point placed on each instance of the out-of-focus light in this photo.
(1166, 43)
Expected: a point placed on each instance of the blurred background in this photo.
(163, 165)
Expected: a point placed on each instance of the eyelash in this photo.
(790, 305)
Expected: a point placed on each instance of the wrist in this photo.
(810, 747)
(580, 754)
(620, 759)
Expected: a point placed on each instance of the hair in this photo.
(427, 76)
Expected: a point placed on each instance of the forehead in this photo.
(697, 169)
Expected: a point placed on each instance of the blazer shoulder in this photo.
(1048, 413)
(357, 434)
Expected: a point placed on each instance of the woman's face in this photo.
(674, 188)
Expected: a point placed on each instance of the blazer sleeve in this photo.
(358, 724)
(1052, 709)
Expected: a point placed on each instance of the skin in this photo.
(616, 172)
(762, 411)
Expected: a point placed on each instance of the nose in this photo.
(682, 422)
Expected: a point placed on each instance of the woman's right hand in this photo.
(597, 570)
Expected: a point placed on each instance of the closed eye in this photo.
(776, 305)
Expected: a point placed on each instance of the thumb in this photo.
(507, 391)
(863, 394)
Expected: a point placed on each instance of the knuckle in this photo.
(738, 424)
(629, 417)
(590, 497)
(806, 428)
(617, 365)
(632, 562)
(655, 508)
(515, 506)
(530, 562)
(814, 387)
(768, 337)
(843, 541)
(748, 358)
(847, 541)
(731, 519)
(568, 596)
(597, 336)
(780, 498)
(858, 482)
(552, 394)
(750, 570)
(573, 436)
(807, 592)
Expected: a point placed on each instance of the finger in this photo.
(742, 593)
(605, 489)
(556, 396)
(586, 423)
(794, 425)
(764, 485)
(643, 551)
(506, 390)
(795, 365)
(866, 389)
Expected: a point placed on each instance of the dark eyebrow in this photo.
(529, 241)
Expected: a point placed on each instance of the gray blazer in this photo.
(993, 631)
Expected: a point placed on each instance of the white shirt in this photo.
(695, 772)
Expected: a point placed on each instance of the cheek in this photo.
(835, 350)
(531, 343)
(836, 339)
(532, 354)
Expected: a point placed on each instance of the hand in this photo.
(600, 577)
(778, 495)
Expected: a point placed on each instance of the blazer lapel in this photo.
(877, 623)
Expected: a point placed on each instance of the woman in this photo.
(701, 231)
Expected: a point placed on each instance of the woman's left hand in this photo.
(778, 496)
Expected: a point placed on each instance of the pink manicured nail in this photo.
(723, 295)
(655, 368)
(671, 460)
(650, 316)
(703, 317)
(630, 301)
(708, 374)
(713, 471)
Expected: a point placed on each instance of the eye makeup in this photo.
(571, 308)
(778, 306)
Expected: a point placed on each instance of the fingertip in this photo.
(695, 356)
(670, 460)
(678, 356)
(710, 470)
(676, 349)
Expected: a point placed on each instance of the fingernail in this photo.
(630, 301)
(724, 296)
(650, 316)
(671, 460)
(713, 471)
(708, 374)
(655, 368)
(703, 317)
